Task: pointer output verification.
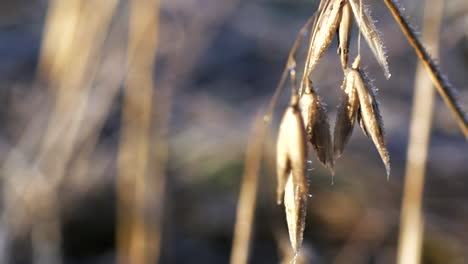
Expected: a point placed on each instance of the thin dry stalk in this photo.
(47, 171)
(290, 65)
(248, 194)
(72, 92)
(445, 90)
(412, 223)
(60, 34)
(137, 242)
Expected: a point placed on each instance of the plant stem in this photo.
(443, 87)
(248, 194)
(138, 226)
(412, 220)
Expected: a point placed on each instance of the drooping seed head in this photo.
(370, 116)
(372, 36)
(324, 30)
(317, 126)
(291, 151)
(295, 203)
(346, 114)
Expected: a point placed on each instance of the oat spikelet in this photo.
(291, 151)
(324, 30)
(368, 29)
(344, 33)
(292, 181)
(370, 114)
(295, 203)
(347, 111)
(317, 127)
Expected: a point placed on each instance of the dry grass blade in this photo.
(344, 32)
(445, 90)
(291, 150)
(295, 203)
(317, 127)
(138, 234)
(248, 194)
(346, 116)
(370, 114)
(368, 29)
(324, 30)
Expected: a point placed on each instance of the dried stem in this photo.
(443, 87)
(138, 239)
(411, 231)
(248, 194)
(290, 65)
(69, 68)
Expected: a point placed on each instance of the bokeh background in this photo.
(217, 64)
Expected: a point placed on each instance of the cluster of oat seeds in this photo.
(305, 120)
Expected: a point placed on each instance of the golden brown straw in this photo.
(412, 224)
(75, 63)
(443, 87)
(138, 240)
(60, 34)
(248, 194)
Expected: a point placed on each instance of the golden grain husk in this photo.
(346, 115)
(344, 33)
(291, 151)
(370, 115)
(295, 203)
(323, 32)
(317, 126)
(370, 33)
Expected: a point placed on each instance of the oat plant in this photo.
(305, 122)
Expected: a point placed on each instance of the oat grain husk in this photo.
(324, 31)
(295, 203)
(346, 115)
(370, 114)
(344, 33)
(292, 178)
(291, 151)
(371, 34)
(317, 126)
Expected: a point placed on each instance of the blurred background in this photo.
(127, 121)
